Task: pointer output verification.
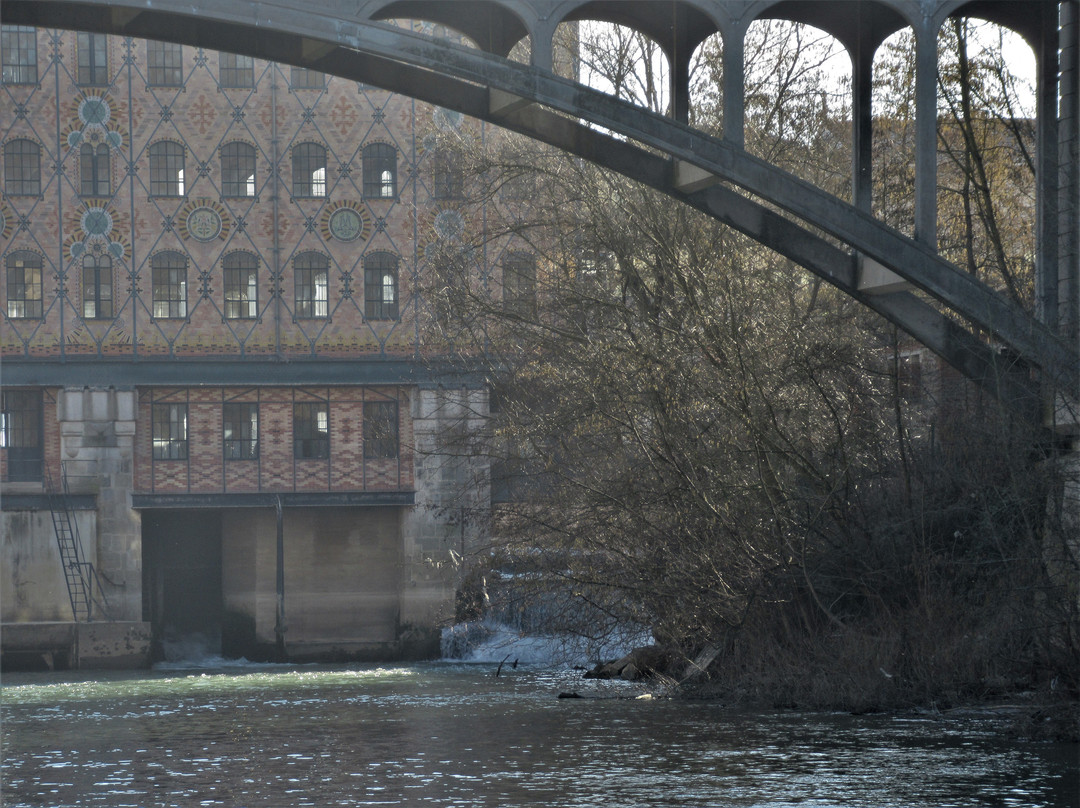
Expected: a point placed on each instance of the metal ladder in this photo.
(79, 575)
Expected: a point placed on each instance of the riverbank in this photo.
(1048, 713)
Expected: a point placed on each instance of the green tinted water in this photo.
(455, 735)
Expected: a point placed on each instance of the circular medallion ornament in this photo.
(447, 118)
(96, 222)
(449, 225)
(204, 224)
(346, 224)
(94, 111)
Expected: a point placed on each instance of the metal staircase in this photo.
(87, 603)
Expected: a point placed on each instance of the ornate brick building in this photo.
(212, 324)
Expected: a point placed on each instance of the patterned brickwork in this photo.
(275, 469)
(132, 224)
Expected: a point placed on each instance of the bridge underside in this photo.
(654, 149)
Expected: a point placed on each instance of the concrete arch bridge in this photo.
(351, 38)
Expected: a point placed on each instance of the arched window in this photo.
(22, 168)
(168, 284)
(380, 286)
(94, 170)
(380, 171)
(24, 285)
(311, 271)
(309, 170)
(238, 170)
(240, 270)
(166, 169)
(97, 284)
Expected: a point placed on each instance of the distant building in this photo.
(212, 327)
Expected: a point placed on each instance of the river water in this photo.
(453, 734)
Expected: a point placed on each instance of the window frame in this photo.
(310, 440)
(447, 175)
(20, 292)
(169, 431)
(382, 430)
(93, 70)
(301, 78)
(22, 167)
(238, 163)
(306, 286)
(240, 282)
(97, 280)
(164, 64)
(308, 159)
(380, 267)
(95, 170)
(168, 285)
(19, 46)
(234, 74)
(242, 418)
(167, 159)
(519, 282)
(22, 433)
(379, 160)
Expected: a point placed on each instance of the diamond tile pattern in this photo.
(130, 115)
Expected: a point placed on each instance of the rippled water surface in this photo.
(455, 735)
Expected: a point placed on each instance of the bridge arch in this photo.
(534, 102)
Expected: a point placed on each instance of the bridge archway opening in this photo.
(988, 155)
(798, 102)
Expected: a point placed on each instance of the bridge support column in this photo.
(926, 64)
(734, 86)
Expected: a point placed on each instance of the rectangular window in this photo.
(519, 284)
(380, 429)
(240, 431)
(93, 50)
(169, 426)
(311, 286)
(448, 178)
(166, 169)
(238, 170)
(18, 45)
(94, 170)
(241, 286)
(97, 287)
(236, 71)
(21, 434)
(24, 285)
(311, 431)
(169, 286)
(300, 78)
(22, 168)
(164, 64)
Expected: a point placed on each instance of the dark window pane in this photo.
(380, 429)
(164, 64)
(22, 168)
(311, 271)
(380, 286)
(169, 427)
(380, 171)
(311, 430)
(18, 44)
(309, 170)
(238, 170)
